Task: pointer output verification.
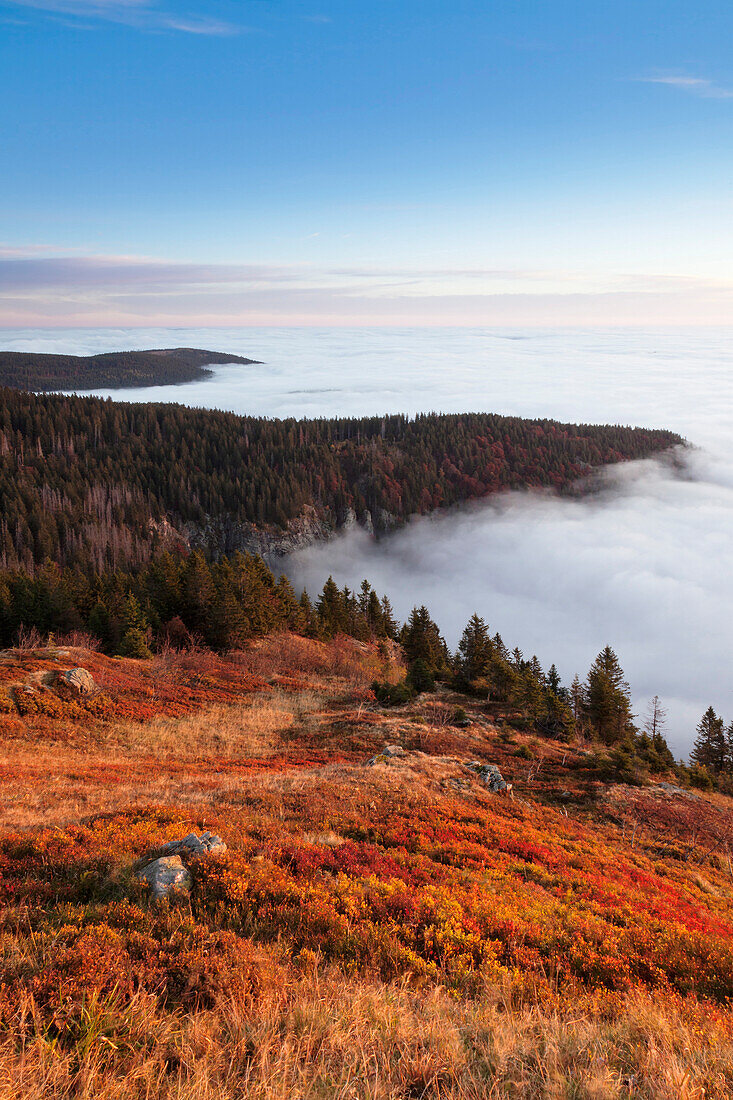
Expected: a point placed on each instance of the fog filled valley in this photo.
(258, 844)
(645, 563)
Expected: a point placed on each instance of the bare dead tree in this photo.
(655, 720)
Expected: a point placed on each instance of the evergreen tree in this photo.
(710, 750)
(197, 594)
(421, 638)
(389, 623)
(608, 699)
(475, 651)
(329, 608)
(419, 676)
(553, 679)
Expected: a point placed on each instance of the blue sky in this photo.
(389, 162)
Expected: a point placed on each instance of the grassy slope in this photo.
(385, 931)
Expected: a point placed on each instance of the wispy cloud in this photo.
(142, 14)
(40, 288)
(694, 85)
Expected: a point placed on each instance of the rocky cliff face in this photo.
(222, 535)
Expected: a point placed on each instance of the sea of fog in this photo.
(646, 565)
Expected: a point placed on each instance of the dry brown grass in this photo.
(343, 658)
(257, 727)
(322, 1036)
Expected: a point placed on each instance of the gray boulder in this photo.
(387, 753)
(194, 847)
(491, 776)
(79, 680)
(167, 877)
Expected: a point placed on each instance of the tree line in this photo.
(105, 485)
(712, 752)
(182, 600)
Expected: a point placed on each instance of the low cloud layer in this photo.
(646, 565)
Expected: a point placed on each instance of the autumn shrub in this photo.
(700, 778)
(77, 639)
(27, 639)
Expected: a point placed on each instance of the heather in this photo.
(374, 929)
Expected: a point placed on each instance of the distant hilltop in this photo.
(22, 370)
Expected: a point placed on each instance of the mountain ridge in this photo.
(87, 479)
(45, 372)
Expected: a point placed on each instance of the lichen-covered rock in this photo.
(491, 776)
(194, 847)
(387, 753)
(77, 680)
(168, 877)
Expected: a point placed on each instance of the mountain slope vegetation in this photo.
(381, 924)
(90, 482)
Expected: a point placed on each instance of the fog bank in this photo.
(645, 566)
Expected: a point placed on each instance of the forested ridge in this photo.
(85, 480)
(160, 367)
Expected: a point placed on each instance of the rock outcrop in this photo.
(167, 877)
(386, 754)
(77, 680)
(169, 870)
(491, 777)
(208, 844)
(223, 535)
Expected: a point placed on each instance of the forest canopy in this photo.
(92, 482)
(116, 369)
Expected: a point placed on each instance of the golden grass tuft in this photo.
(323, 1035)
(257, 727)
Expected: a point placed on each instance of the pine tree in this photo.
(710, 749)
(421, 638)
(475, 651)
(608, 699)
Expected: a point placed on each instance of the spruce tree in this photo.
(710, 749)
(421, 638)
(553, 679)
(608, 699)
(329, 608)
(475, 651)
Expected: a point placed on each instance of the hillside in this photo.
(381, 923)
(101, 484)
(110, 370)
